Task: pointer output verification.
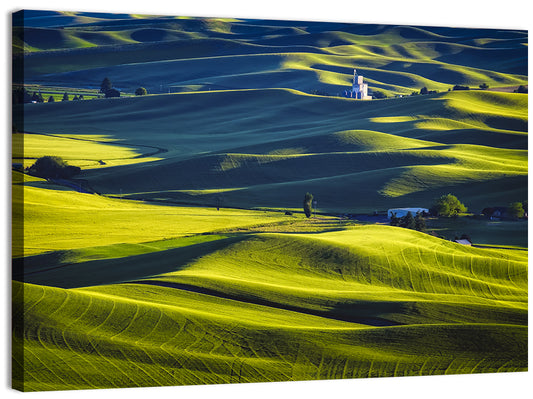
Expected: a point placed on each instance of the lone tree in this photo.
(105, 85)
(52, 167)
(448, 205)
(65, 97)
(483, 86)
(141, 91)
(308, 204)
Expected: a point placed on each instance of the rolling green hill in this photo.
(378, 154)
(371, 301)
(180, 254)
(165, 53)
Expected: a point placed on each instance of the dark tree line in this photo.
(409, 221)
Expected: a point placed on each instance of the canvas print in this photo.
(206, 200)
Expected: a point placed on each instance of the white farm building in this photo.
(401, 212)
(359, 88)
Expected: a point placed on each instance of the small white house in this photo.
(401, 212)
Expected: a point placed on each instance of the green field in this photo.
(178, 262)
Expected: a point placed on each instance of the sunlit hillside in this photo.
(177, 250)
(374, 301)
(265, 148)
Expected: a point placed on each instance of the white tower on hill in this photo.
(359, 89)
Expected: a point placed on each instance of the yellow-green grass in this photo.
(129, 293)
(377, 261)
(59, 219)
(365, 302)
(83, 151)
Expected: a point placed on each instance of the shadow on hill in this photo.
(342, 313)
(49, 269)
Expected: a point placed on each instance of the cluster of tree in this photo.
(517, 210)
(483, 86)
(106, 87)
(459, 87)
(521, 89)
(424, 90)
(448, 205)
(409, 221)
(53, 167)
(22, 96)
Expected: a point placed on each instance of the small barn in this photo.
(463, 241)
(401, 212)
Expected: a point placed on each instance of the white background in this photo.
(508, 14)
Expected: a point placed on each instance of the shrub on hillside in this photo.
(483, 86)
(141, 91)
(52, 167)
(448, 205)
(521, 89)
